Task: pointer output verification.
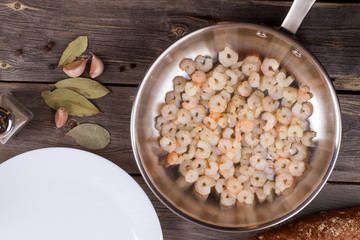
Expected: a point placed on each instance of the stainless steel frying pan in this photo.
(246, 39)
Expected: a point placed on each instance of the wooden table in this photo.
(128, 36)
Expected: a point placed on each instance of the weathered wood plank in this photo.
(41, 131)
(333, 196)
(136, 32)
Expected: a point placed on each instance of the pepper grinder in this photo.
(13, 116)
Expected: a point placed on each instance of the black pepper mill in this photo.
(13, 116)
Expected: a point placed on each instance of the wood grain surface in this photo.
(136, 32)
(129, 35)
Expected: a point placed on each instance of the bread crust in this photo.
(342, 224)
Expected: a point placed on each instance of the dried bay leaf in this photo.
(74, 103)
(91, 136)
(87, 87)
(73, 50)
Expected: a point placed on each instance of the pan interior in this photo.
(167, 183)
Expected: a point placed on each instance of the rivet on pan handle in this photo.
(296, 15)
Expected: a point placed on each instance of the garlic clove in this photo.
(97, 66)
(61, 117)
(75, 68)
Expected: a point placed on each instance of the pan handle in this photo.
(296, 14)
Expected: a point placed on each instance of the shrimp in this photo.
(269, 104)
(172, 158)
(307, 138)
(160, 121)
(269, 169)
(302, 152)
(260, 195)
(217, 104)
(219, 68)
(246, 125)
(233, 185)
(203, 185)
(199, 165)
(212, 169)
(268, 82)
(189, 102)
(210, 123)
(304, 93)
(183, 137)
(224, 145)
(301, 122)
(283, 148)
(254, 79)
(258, 161)
(284, 81)
(257, 127)
(209, 136)
(290, 94)
(203, 149)
(203, 63)
(227, 133)
(173, 97)
(169, 129)
(275, 92)
(286, 103)
(231, 120)
(226, 95)
(223, 121)
(283, 181)
(228, 57)
(180, 149)
(284, 115)
(220, 185)
(198, 113)
(295, 131)
(266, 139)
(227, 199)
(245, 196)
(269, 119)
(191, 176)
(267, 64)
(191, 89)
(244, 89)
(251, 139)
(303, 110)
(169, 111)
(258, 149)
(282, 131)
(183, 116)
(184, 167)
(179, 84)
(234, 77)
(217, 81)
(254, 101)
(226, 173)
(246, 114)
(268, 187)
(297, 168)
(281, 165)
(251, 64)
(199, 77)
(187, 65)
(168, 144)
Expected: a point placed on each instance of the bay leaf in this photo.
(74, 103)
(91, 136)
(89, 88)
(73, 50)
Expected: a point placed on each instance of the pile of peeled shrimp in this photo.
(238, 128)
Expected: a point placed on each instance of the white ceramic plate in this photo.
(63, 193)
